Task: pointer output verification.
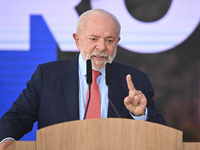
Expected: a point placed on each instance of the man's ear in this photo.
(119, 39)
(77, 41)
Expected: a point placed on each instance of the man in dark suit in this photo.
(57, 90)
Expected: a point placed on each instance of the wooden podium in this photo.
(107, 134)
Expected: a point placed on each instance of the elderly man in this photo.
(57, 91)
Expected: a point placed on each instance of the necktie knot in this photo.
(95, 74)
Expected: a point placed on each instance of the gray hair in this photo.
(85, 16)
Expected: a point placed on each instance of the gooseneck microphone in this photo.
(108, 83)
(108, 74)
(89, 72)
(89, 82)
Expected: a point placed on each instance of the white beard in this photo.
(95, 65)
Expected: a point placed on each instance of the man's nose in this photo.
(101, 45)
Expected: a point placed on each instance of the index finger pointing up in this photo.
(129, 82)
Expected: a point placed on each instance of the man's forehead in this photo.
(95, 35)
(97, 26)
(94, 32)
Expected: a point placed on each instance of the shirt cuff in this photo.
(141, 118)
(8, 138)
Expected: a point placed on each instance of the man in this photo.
(57, 90)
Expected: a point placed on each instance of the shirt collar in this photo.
(82, 66)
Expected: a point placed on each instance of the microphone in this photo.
(108, 74)
(108, 83)
(89, 82)
(89, 72)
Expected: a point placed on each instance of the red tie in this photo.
(94, 110)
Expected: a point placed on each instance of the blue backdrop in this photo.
(16, 67)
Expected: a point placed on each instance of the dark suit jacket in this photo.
(52, 94)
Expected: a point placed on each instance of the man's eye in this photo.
(110, 40)
(93, 39)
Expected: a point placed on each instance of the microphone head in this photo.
(108, 74)
(89, 71)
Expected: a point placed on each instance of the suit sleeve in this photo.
(153, 114)
(19, 119)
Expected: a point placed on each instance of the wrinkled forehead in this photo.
(101, 26)
(96, 19)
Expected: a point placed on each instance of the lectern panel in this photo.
(109, 134)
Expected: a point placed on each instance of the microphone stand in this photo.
(108, 83)
(112, 105)
(89, 82)
(88, 101)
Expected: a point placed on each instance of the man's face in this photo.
(98, 41)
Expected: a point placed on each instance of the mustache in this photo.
(99, 54)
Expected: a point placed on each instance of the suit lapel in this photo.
(70, 88)
(117, 89)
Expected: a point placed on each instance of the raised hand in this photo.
(136, 101)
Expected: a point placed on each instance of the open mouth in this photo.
(99, 57)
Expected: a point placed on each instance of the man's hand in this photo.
(136, 101)
(5, 144)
